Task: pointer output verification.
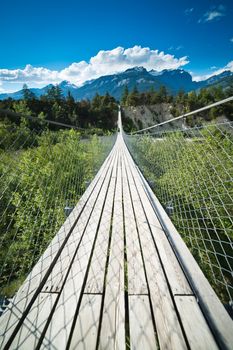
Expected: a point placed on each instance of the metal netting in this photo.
(42, 176)
(190, 171)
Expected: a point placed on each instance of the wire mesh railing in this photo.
(190, 171)
(42, 177)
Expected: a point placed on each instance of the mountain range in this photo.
(173, 80)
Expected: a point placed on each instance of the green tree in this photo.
(162, 94)
(70, 98)
(21, 108)
(54, 93)
(125, 95)
(27, 93)
(134, 97)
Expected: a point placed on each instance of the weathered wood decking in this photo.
(111, 277)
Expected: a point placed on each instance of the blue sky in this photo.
(50, 38)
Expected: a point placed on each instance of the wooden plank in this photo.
(60, 325)
(173, 270)
(86, 328)
(95, 279)
(9, 320)
(41, 307)
(196, 329)
(34, 323)
(136, 274)
(142, 334)
(112, 335)
(169, 331)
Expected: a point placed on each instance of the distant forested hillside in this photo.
(100, 112)
(142, 109)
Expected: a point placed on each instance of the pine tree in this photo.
(55, 93)
(27, 93)
(125, 95)
(70, 98)
(134, 97)
(162, 94)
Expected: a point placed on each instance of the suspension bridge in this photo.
(118, 274)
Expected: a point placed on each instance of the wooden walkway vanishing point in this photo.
(116, 276)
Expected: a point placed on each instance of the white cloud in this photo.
(229, 67)
(29, 73)
(1, 89)
(176, 48)
(188, 11)
(231, 40)
(214, 13)
(104, 63)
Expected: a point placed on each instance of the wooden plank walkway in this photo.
(113, 278)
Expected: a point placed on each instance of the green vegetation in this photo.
(136, 98)
(100, 113)
(40, 175)
(190, 173)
